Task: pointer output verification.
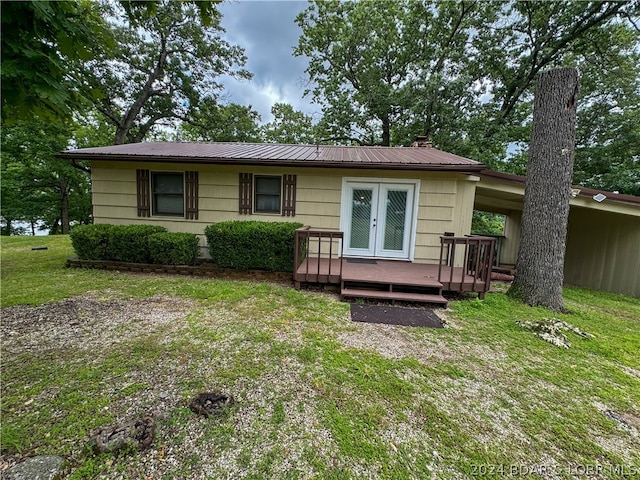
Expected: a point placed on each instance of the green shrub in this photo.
(130, 243)
(252, 245)
(91, 242)
(174, 248)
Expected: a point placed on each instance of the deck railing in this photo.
(317, 256)
(476, 261)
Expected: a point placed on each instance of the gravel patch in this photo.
(87, 322)
(93, 325)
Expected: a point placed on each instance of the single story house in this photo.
(388, 203)
(400, 216)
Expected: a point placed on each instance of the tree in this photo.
(37, 186)
(539, 268)
(163, 67)
(463, 72)
(232, 122)
(39, 38)
(531, 36)
(148, 8)
(528, 37)
(608, 133)
(487, 223)
(289, 126)
(360, 54)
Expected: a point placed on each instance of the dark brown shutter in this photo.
(191, 195)
(143, 193)
(246, 193)
(289, 195)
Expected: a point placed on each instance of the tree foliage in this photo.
(163, 67)
(463, 73)
(487, 223)
(42, 38)
(360, 57)
(235, 123)
(608, 135)
(288, 126)
(38, 188)
(39, 38)
(213, 122)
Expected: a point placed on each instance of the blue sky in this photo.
(267, 31)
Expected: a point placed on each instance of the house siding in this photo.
(609, 259)
(511, 242)
(445, 201)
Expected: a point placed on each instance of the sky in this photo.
(267, 31)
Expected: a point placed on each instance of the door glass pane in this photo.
(396, 206)
(360, 218)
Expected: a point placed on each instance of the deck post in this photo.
(453, 260)
(478, 268)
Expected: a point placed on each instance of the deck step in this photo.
(403, 296)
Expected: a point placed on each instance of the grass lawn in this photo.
(317, 396)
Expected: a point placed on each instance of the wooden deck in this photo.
(394, 279)
(388, 279)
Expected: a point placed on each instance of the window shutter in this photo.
(289, 195)
(143, 193)
(191, 195)
(246, 192)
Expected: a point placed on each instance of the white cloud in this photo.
(268, 32)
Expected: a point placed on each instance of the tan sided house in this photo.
(375, 215)
(381, 222)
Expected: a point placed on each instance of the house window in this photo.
(268, 190)
(167, 193)
(274, 194)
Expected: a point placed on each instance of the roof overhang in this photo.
(503, 192)
(274, 163)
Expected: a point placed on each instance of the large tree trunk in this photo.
(539, 268)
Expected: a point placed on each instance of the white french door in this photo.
(378, 219)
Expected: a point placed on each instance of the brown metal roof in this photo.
(583, 191)
(403, 158)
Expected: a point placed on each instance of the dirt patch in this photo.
(391, 315)
(86, 322)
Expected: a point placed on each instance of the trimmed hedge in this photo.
(91, 242)
(130, 243)
(124, 243)
(174, 248)
(247, 245)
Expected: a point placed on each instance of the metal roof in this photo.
(323, 156)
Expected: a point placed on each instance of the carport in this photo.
(603, 238)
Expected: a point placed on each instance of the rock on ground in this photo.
(43, 467)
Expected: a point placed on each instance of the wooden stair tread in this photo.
(409, 297)
(424, 283)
